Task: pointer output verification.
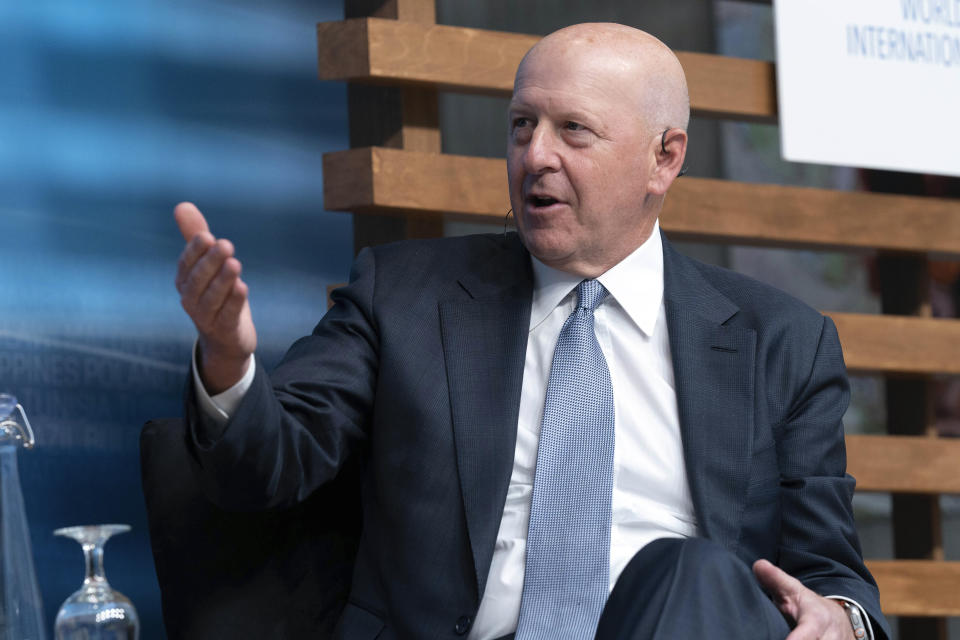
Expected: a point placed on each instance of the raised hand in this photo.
(216, 299)
(816, 617)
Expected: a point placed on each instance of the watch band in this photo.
(856, 620)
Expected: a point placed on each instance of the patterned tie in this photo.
(567, 575)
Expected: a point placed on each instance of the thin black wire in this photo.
(663, 147)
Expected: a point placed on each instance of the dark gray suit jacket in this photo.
(417, 368)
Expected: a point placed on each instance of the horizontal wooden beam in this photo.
(460, 59)
(904, 464)
(898, 344)
(385, 180)
(917, 587)
(803, 217)
(382, 180)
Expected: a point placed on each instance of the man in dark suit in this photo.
(700, 411)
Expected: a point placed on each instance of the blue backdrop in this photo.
(110, 113)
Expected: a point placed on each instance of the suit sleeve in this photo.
(296, 427)
(818, 541)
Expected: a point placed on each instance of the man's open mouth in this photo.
(541, 201)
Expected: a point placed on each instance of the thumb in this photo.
(190, 220)
(783, 588)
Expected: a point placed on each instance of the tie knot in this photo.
(590, 293)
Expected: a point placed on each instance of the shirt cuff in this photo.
(863, 614)
(219, 407)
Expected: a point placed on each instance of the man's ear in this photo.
(670, 152)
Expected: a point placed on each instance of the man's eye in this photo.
(521, 130)
(574, 126)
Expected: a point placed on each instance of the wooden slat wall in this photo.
(917, 587)
(899, 344)
(904, 464)
(475, 61)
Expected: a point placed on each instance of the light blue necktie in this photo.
(567, 576)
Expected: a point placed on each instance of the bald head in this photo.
(648, 71)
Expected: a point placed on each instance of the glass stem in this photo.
(93, 560)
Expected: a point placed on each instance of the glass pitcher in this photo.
(21, 613)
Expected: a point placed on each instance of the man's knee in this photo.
(677, 588)
(712, 561)
(703, 559)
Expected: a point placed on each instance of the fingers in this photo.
(822, 619)
(219, 290)
(775, 580)
(209, 284)
(197, 234)
(190, 220)
(234, 303)
(195, 249)
(815, 616)
(784, 589)
(804, 632)
(212, 294)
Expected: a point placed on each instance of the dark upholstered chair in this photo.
(276, 574)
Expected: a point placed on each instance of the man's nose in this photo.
(541, 154)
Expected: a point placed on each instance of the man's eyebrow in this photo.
(574, 114)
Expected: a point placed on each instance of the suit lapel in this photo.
(714, 373)
(484, 333)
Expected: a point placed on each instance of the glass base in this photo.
(96, 621)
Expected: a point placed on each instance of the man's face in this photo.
(579, 158)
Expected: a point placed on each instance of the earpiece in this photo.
(663, 148)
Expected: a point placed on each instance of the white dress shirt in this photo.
(651, 491)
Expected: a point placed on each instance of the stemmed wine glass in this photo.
(95, 611)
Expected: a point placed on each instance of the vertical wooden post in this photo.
(917, 529)
(391, 117)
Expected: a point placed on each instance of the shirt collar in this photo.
(636, 283)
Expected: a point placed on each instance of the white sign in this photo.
(870, 83)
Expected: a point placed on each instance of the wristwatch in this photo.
(856, 620)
